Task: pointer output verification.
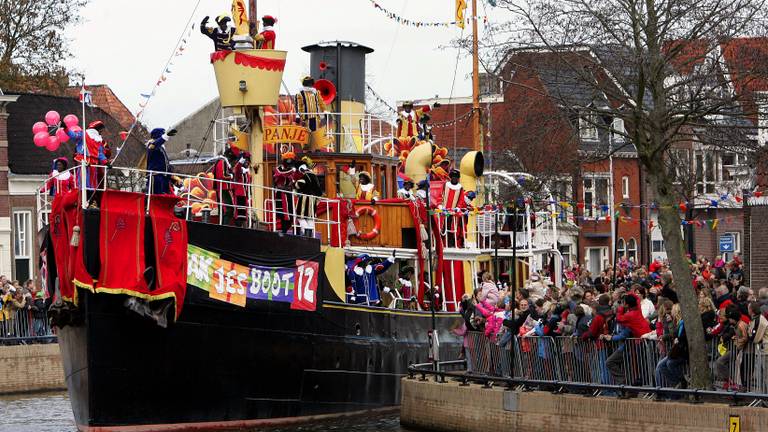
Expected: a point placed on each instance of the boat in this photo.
(172, 317)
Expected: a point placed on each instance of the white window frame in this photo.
(617, 129)
(661, 244)
(625, 187)
(22, 237)
(588, 126)
(632, 249)
(705, 184)
(594, 210)
(621, 247)
(736, 245)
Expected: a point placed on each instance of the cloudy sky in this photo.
(126, 43)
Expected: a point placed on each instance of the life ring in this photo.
(370, 211)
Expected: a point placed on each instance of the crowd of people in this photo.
(631, 303)
(23, 313)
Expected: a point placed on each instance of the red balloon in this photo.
(39, 127)
(52, 144)
(70, 120)
(52, 118)
(41, 138)
(61, 135)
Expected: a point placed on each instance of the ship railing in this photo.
(487, 231)
(342, 132)
(210, 200)
(25, 326)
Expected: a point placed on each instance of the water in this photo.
(52, 413)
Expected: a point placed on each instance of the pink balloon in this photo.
(61, 135)
(41, 138)
(52, 118)
(52, 144)
(75, 129)
(70, 120)
(39, 127)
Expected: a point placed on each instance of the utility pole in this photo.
(476, 135)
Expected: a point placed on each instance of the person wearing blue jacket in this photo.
(362, 272)
(157, 160)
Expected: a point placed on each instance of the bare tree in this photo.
(673, 71)
(32, 43)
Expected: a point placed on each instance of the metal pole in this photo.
(83, 177)
(429, 271)
(478, 141)
(496, 248)
(615, 226)
(514, 288)
(339, 96)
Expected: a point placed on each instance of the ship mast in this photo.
(476, 133)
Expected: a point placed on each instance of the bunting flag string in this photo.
(414, 23)
(451, 122)
(650, 223)
(178, 50)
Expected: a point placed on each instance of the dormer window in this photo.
(617, 129)
(588, 126)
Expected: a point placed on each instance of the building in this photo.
(24, 167)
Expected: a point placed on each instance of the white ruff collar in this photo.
(366, 187)
(63, 176)
(309, 89)
(452, 186)
(94, 135)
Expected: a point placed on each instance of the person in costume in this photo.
(365, 189)
(266, 39)
(408, 120)
(222, 174)
(221, 35)
(362, 272)
(61, 181)
(425, 129)
(404, 284)
(308, 186)
(285, 176)
(309, 105)
(406, 192)
(89, 147)
(241, 174)
(157, 160)
(453, 198)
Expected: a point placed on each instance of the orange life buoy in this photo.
(370, 211)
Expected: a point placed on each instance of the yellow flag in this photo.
(461, 6)
(240, 17)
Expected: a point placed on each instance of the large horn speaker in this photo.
(326, 89)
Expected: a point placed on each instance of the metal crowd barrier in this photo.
(631, 362)
(23, 327)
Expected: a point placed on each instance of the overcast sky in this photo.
(125, 43)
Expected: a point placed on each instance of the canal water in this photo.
(52, 413)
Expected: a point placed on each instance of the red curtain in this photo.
(60, 235)
(121, 242)
(453, 283)
(171, 241)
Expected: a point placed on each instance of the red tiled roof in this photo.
(105, 98)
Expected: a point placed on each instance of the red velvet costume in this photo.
(452, 225)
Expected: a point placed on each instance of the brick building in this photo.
(24, 167)
(534, 125)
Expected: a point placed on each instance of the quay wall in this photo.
(452, 407)
(31, 368)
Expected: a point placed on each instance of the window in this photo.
(730, 163)
(588, 126)
(657, 246)
(625, 187)
(617, 130)
(705, 172)
(595, 197)
(632, 250)
(561, 191)
(621, 249)
(22, 224)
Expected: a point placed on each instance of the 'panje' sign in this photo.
(234, 283)
(286, 134)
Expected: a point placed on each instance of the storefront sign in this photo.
(286, 134)
(234, 283)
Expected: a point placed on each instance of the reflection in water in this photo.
(52, 413)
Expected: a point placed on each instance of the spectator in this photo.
(708, 315)
(38, 314)
(632, 324)
(488, 290)
(733, 350)
(762, 299)
(669, 370)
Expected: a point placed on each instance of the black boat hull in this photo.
(222, 366)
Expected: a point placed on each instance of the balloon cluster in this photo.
(49, 134)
